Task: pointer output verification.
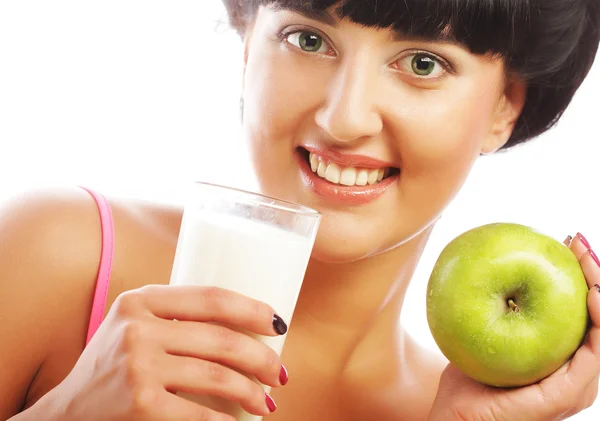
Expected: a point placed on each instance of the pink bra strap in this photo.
(106, 258)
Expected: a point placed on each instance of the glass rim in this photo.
(264, 200)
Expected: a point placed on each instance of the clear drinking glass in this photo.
(249, 243)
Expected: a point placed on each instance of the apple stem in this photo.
(513, 306)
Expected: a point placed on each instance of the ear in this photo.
(509, 108)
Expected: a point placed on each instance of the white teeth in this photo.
(333, 173)
(314, 163)
(347, 176)
(373, 174)
(362, 177)
(321, 169)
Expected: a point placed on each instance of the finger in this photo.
(224, 346)
(564, 388)
(453, 381)
(202, 378)
(211, 304)
(591, 268)
(568, 240)
(585, 365)
(590, 264)
(170, 407)
(579, 245)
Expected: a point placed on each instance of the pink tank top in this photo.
(106, 259)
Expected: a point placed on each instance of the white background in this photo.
(138, 97)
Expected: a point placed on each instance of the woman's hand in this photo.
(566, 392)
(141, 356)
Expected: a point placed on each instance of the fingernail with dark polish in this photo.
(568, 241)
(584, 241)
(279, 325)
(283, 376)
(597, 287)
(270, 403)
(594, 257)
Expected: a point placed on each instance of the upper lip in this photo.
(350, 159)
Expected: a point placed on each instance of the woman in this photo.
(372, 113)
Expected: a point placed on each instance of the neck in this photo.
(341, 304)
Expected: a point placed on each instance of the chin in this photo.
(332, 254)
(338, 246)
(343, 239)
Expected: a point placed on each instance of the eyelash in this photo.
(446, 66)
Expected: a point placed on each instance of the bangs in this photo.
(481, 26)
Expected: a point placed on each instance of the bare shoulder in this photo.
(50, 249)
(49, 255)
(47, 239)
(50, 224)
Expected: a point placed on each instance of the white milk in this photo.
(261, 261)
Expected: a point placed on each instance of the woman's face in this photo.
(331, 107)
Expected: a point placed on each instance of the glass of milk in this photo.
(249, 243)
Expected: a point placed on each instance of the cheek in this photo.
(439, 141)
(284, 87)
(445, 135)
(281, 99)
(266, 116)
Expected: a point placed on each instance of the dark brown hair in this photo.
(550, 44)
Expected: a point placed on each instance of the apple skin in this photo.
(472, 321)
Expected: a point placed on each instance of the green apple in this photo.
(506, 304)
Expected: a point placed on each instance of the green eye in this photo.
(423, 65)
(308, 41)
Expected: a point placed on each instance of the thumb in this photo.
(450, 380)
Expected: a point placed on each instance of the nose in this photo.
(349, 111)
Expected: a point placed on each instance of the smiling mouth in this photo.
(345, 175)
